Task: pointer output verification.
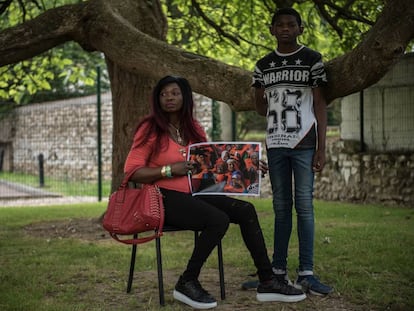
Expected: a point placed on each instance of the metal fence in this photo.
(60, 148)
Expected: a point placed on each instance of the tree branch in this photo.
(340, 12)
(380, 49)
(346, 13)
(328, 18)
(42, 33)
(213, 24)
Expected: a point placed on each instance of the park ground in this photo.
(90, 230)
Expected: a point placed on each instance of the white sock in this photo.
(278, 271)
(305, 272)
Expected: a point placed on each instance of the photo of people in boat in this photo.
(230, 168)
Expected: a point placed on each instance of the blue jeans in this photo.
(283, 165)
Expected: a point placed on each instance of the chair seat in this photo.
(172, 228)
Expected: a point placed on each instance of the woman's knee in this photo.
(247, 212)
(222, 223)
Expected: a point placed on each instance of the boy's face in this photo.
(286, 29)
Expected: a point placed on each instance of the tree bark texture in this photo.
(130, 101)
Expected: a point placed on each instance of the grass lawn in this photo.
(364, 251)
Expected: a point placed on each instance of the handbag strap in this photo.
(137, 240)
(128, 175)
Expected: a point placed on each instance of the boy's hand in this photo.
(263, 167)
(318, 161)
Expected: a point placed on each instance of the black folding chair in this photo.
(159, 264)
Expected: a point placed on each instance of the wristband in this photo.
(164, 171)
(168, 172)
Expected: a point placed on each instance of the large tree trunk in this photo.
(131, 91)
(130, 101)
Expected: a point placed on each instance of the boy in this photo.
(288, 89)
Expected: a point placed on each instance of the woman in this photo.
(158, 154)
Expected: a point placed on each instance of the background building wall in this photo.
(388, 111)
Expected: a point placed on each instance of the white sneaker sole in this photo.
(195, 304)
(267, 297)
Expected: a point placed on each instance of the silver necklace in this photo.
(177, 131)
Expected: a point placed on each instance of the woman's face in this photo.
(171, 99)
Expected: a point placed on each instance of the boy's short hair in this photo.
(287, 11)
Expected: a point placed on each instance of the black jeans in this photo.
(211, 216)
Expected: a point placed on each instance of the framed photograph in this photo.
(227, 168)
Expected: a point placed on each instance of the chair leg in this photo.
(221, 270)
(159, 270)
(132, 265)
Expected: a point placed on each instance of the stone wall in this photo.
(355, 177)
(372, 177)
(64, 133)
(382, 115)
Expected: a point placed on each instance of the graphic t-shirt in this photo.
(288, 80)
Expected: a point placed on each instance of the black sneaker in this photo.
(248, 285)
(253, 284)
(282, 276)
(191, 293)
(278, 290)
(311, 284)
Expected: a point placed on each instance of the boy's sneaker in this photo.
(283, 278)
(278, 290)
(311, 284)
(254, 283)
(248, 285)
(191, 293)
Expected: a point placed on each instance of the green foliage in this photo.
(248, 121)
(239, 34)
(334, 114)
(320, 35)
(62, 72)
(216, 130)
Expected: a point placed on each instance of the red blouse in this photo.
(139, 157)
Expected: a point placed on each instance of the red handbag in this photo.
(134, 210)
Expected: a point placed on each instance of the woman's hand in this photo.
(182, 168)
